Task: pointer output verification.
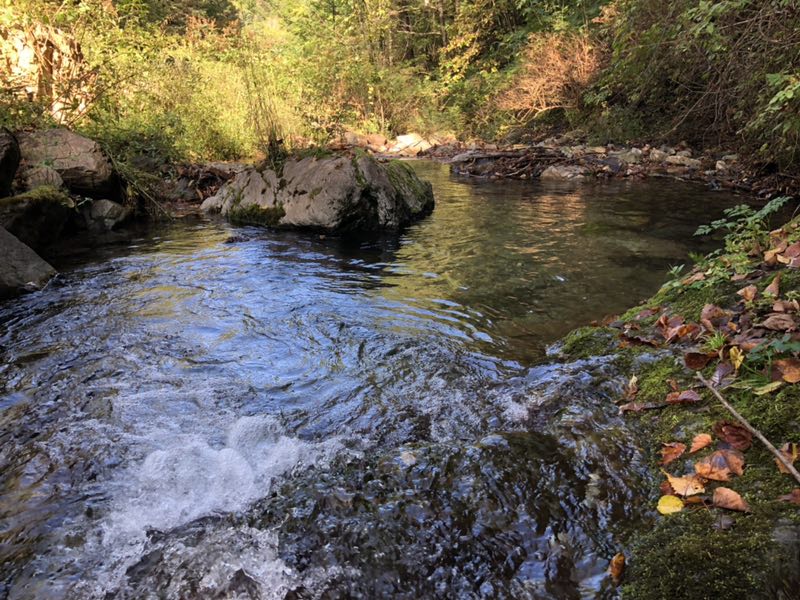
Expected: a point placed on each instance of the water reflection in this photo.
(184, 373)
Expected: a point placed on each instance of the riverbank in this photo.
(732, 319)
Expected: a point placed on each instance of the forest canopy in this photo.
(202, 79)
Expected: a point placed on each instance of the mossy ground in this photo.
(686, 555)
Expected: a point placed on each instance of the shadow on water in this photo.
(206, 411)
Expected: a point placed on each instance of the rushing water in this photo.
(212, 412)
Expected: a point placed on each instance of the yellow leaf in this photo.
(737, 357)
(767, 389)
(668, 505)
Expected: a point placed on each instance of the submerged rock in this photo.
(9, 160)
(37, 217)
(334, 194)
(21, 270)
(78, 160)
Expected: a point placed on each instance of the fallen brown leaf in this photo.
(774, 287)
(617, 568)
(727, 498)
(685, 397)
(790, 452)
(793, 497)
(779, 322)
(686, 486)
(720, 464)
(788, 369)
(786, 306)
(697, 361)
(700, 441)
(792, 251)
(734, 435)
(748, 293)
(722, 372)
(693, 278)
(709, 313)
(671, 452)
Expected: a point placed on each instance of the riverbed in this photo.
(210, 411)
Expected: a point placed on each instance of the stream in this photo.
(207, 411)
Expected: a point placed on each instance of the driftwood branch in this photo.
(783, 460)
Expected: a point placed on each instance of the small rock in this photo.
(556, 172)
(721, 166)
(684, 153)
(657, 155)
(683, 161)
(41, 176)
(730, 158)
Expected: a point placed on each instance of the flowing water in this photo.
(218, 412)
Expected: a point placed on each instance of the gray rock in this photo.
(41, 176)
(632, 156)
(9, 160)
(105, 215)
(683, 161)
(78, 160)
(684, 153)
(410, 144)
(730, 158)
(21, 270)
(721, 166)
(657, 155)
(37, 217)
(332, 194)
(561, 172)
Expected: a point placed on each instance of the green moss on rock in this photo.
(684, 556)
(257, 215)
(588, 341)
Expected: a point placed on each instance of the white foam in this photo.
(190, 478)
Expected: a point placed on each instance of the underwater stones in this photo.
(331, 194)
(105, 215)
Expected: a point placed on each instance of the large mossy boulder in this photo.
(21, 269)
(9, 161)
(37, 217)
(330, 194)
(80, 162)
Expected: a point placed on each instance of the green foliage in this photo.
(745, 225)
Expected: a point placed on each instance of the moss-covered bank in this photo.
(705, 552)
